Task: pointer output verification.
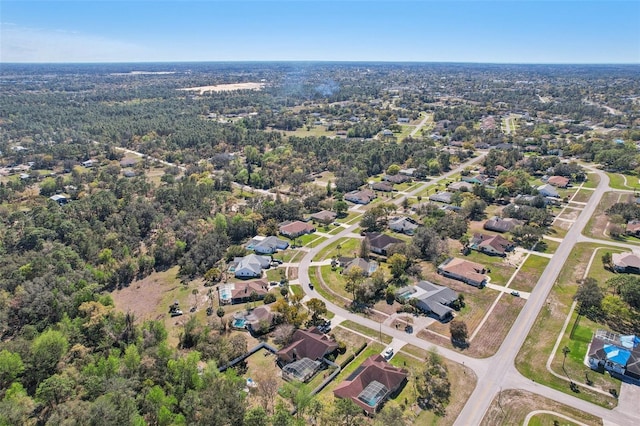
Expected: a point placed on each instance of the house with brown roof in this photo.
(463, 270)
(382, 186)
(364, 196)
(296, 228)
(242, 292)
(558, 181)
(311, 344)
(259, 320)
(626, 262)
(499, 224)
(633, 228)
(324, 216)
(495, 245)
(380, 243)
(396, 179)
(372, 383)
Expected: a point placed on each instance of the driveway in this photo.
(629, 400)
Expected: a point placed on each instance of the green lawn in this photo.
(297, 290)
(549, 246)
(335, 281)
(617, 181)
(374, 334)
(549, 420)
(582, 196)
(529, 273)
(592, 181)
(348, 246)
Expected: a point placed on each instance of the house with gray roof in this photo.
(267, 245)
(250, 266)
(442, 197)
(403, 224)
(626, 262)
(432, 299)
(547, 190)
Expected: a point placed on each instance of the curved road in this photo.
(498, 372)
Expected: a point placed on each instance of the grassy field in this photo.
(533, 355)
(582, 196)
(348, 247)
(510, 408)
(374, 334)
(592, 181)
(529, 273)
(316, 131)
(335, 281)
(548, 246)
(617, 181)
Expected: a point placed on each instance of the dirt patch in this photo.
(510, 407)
(225, 87)
(292, 273)
(494, 330)
(143, 297)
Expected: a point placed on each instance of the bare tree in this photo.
(267, 385)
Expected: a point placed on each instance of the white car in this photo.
(388, 353)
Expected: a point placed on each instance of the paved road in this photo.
(420, 125)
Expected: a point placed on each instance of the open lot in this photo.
(510, 407)
(530, 273)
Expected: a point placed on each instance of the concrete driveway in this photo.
(629, 400)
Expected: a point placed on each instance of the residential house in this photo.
(491, 244)
(89, 163)
(324, 216)
(250, 266)
(311, 344)
(396, 179)
(242, 292)
(432, 299)
(615, 353)
(404, 224)
(530, 200)
(364, 196)
(403, 120)
(479, 179)
(499, 224)
(407, 172)
(129, 173)
(296, 228)
(380, 243)
(60, 199)
(442, 197)
(260, 319)
(628, 262)
(267, 245)
(559, 181)
(382, 186)
(460, 186)
(633, 228)
(463, 270)
(372, 383)
(368, 267)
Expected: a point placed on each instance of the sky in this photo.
(513, 31)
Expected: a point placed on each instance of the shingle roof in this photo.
(310, 344)
(373, 369)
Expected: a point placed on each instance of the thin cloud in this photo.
(24, 44)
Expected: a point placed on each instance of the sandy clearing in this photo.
(225, 87)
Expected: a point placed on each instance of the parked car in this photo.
(311, 286)
(388, 353)
(176, 313)
(515, 293)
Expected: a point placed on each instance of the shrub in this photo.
(269, 298)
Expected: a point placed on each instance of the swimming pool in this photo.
(239, 322)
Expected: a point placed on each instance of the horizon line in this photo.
(305, 61)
